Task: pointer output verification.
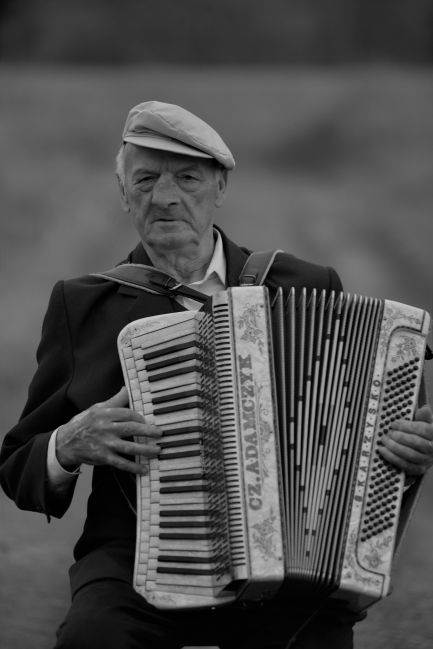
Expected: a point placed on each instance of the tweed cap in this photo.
(168, 127)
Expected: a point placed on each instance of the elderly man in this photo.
(172, 170)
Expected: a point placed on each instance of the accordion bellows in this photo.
(269, 478)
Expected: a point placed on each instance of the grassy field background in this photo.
(334, 165)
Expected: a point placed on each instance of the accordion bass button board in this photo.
(269, 480)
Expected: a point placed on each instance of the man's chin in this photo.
(170, 225)
(174, 237)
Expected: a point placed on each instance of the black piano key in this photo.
(188, 536)
(178, 442)
(187, 523)
(169, 373)
(185, 489)
(175, 477)
(176, 395)
(156, 365)
(183, 512)
(180, 430)
(186, 571)
(175, 455)
(176, 347)
(177, 407)
(180, 558)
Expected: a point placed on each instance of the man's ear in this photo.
(221, 187)
(123, 197)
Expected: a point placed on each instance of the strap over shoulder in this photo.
(257, 267)
(150, 279)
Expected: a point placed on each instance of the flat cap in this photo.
(157, 125)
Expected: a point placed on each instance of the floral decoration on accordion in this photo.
(374, 558)
(407, 347)
(265, 429)
(263, 536)
(253, 333)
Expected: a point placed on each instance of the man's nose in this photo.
(165, 192)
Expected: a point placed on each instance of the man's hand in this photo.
(409, 444)
(96, 436)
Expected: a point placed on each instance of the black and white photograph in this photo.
(216, 377)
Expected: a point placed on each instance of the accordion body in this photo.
(269, 479)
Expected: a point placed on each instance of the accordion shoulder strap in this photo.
(150, 279)
(257, 267)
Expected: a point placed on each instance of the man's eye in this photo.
(188, 178)
(145, 181)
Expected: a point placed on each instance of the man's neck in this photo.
(188, 264)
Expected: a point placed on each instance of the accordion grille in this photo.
(328, 347)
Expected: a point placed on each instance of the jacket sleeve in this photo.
(23, 473)
(334, 280)
(289, 272)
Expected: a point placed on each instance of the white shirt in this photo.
(213, 281)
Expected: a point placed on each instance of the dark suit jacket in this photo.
(78, 366)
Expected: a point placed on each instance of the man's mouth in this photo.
(167, 219)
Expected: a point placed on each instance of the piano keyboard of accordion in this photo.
(269, 477)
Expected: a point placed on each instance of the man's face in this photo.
(172, 198)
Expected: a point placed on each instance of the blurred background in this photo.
(327, 107)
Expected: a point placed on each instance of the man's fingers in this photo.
(409, 444)
(414, 453)
(135, 429)
(401, 463)
(123, 464)
(123, 423)
(147, 449)
(424, 414)
(118, 414)
(104, 417)
(418, 428)
(415, 441)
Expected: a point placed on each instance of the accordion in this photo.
(269, 480)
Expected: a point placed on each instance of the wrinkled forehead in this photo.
(154, 159)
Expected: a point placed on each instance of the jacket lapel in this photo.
(147, 304)
(235, 259)
(144, 304)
